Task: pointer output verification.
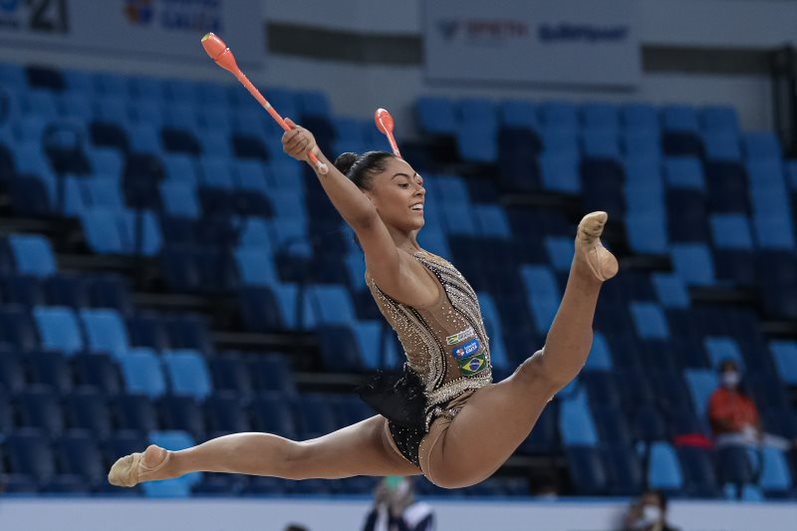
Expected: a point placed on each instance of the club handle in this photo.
(322, 168)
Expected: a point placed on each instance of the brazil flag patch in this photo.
(473, 366)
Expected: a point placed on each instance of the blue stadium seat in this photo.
(58, 329)
(731, 231)
(478, 112)
(761, 146)
(560, 172)
(316, 415)
(785, 356)
(680, 118)
(215, 143)
(774, 231)
(104, 192)
(543, 291)
(143, 372)
(587, 470)
(650, 321)
(600, 357)
(477, 144)
(436, 115)
(518, 114)
(664, 470)
(272, 373)
(702, 383)
(776, 478)
(459, 219)
(560, 252)
(639, 141)
(183, 413)
(32, 255)
(640, 116)
(97, 371)
(647, 232)
(87, 409)
(50, 369)
(601, 143)
(492, 221)
(559, 113)
(188, 373)
(102, 231)
(189, 331)
(499, 355)
(721, 348)
(13, 75)
(719, 118)
(29, 452)
(271, 413)
(256, 267)
(146, 88)
(181, 116)
(180, 167)
(611, 422)
(39, 102)
(693, 264)
(576, 425)
(79, 455)
(670, 290)
(144, 138)
(226, 413)
(180, 200)
(600, 115)
(377, 349)
(106, 331)
(684, 172)
(135, 412)
(722, 146)
(340, 349)
(38, 407)
(12, 373)
(148, 112)
(151, 239)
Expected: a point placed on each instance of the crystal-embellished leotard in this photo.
(447, 353)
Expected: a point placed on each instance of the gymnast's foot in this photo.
(130, 470)
(590, 250)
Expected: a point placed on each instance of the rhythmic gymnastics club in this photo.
(385, 124)
(223, 56)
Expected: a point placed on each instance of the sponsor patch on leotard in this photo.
(468, 349)
(474, 365)
(460, 336)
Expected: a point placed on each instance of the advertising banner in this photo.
(570, 42)
(163, 30)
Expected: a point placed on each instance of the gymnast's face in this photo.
(398, 195)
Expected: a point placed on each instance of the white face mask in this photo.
(651, 514)
(730, 379)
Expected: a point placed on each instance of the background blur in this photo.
(168, 275)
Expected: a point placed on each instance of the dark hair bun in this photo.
(345, 161)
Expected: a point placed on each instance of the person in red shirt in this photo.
(734, 416)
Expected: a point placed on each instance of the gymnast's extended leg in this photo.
(359, 449)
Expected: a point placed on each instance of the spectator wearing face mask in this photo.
(733, 415)
(395, 508)
(649, 513)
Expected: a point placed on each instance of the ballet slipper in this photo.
(600, 261)
(130, 470)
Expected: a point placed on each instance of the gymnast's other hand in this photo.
(298, 142)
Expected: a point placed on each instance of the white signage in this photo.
(162, 30)
(532, 41)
